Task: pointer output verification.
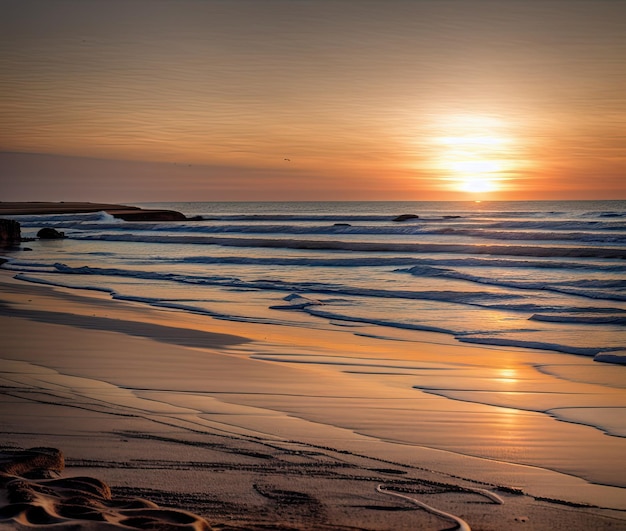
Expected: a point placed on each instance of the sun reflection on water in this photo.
(508, 376)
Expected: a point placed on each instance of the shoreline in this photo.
(132, 394)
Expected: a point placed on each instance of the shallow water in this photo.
(537, 274)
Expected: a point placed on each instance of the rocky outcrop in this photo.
(10, 232)
(48, 233)
(405, 217)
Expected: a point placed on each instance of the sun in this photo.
(472, 166)
(476, 158)
(473, 163)
(476, 186)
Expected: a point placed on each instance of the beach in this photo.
(158, 416)
(313, 265)
(257, 423)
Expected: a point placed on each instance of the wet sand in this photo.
(251, 426)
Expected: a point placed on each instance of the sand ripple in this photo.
(31, 496)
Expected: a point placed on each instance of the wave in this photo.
(347, 229)
(590, 237)
(48, 219)
(298, 217)
(557, 225)
(332, 223)
(462, 297)
(37, 280)
(500, 301)
(607, 214)
(466, 337)
(612, 319)
(393, 261)
(296, 302)
(495, 301)
(380, 322)
(20, 265)
(286, 223)
(590, 288)
(160, 303)
(505, 250)
(556, 347)
(529, 307)
(414, 264)
(320, 308)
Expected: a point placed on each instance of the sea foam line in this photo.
(315, 310)
(462, 297)
(591, 288)
(506, 250)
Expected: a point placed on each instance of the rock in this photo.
(48, 233)
(405, 217)
(10, 232)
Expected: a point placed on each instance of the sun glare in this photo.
(476, 186)
(477, 156)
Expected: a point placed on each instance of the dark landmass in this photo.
(127, 213)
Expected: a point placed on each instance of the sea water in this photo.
(546, 275)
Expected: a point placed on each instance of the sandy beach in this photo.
(197, 415)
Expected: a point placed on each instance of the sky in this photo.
(246, 100)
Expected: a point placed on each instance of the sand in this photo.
(199, 423)
(33, 497)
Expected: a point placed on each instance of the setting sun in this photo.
(478, 157)
(476, 185)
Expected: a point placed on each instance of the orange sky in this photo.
(151, 100)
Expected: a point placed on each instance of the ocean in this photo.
(469, 329)
(544, 275)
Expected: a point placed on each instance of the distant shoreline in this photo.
(125, 212)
